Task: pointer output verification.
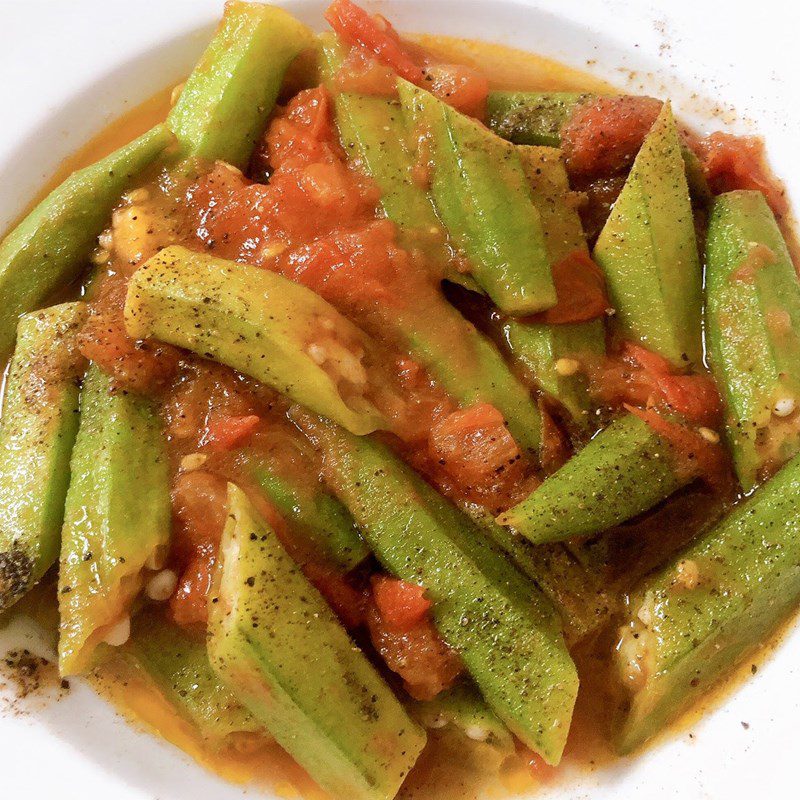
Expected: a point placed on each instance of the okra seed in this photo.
(476, 733)
(119, 633)
(709, 435)
(162, 585)
(193, 462)
(567, 366)
(784, 407)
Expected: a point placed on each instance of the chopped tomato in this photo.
(580, 291)
(418, 655)
(462, 87)
(348, 603)
(536, 765)
(374, 33)
(695, 456)
(189, 604)
(603, 136)
(224, 432)
(402, 605)
(555, 449)
(474, 446)
(738, 162)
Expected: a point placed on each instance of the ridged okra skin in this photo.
(51, 246)
(531, 118)
(326, 525)
(481, 195)
(117, 517)
(175, 663)
(505, 630)
(625, 470)
(695, 618)
(536, 347)
(648, 252)
(270, 631)
(224, 106)
(37, 432)
(753, 329)
(257, 322)
(463, 707)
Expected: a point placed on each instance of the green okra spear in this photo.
(259, 323)
(269, 630)
(648, 252)
(505, 630)
(532, 118)
(174, 661)
(50, 247)
(116, 522)
(481, 194)
(37, 432)
(693, 620)
(224, 106)
(753, 330)
(625, 470)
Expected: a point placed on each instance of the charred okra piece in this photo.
(224, 106)
(481, 194)
(37, 432)
(648, 252)
(505, 630)
(269, 631)
(753, 325)
(116, 522)
(259, 323)
(694, 619)
(50, 247)
(625, 470)
(175, 663)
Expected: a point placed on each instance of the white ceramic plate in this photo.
(70, 68)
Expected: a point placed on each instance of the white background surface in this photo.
(70, 67)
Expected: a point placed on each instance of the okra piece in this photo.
(753, 328)
(117, 518)
(323, 522)
(51, 246)
(531, 118)
(463, 707)
(259, 323)
(648, 252)
(37, 431)
(269, 630)
(481, 195)
(223, 108)
(505, 630)
(625, 470)
(175, 663)
(535, 347)
(719, 598)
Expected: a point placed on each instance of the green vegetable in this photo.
(537, 348)
(463, 707)
(227, 99)
(39, 423)
(625, 470)
(480, 190)
(325, 524)
(257, 322)
(505, 631)
(694, 619)
(269, 632)
(117, 518)
(175, 662)
(648, 251)
(531, 117)
(51, 246)
(753, 328)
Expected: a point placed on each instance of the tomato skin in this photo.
(224, 432)
(347, 602)
(374, 33)
(603, 135)
(738, 162)
(402, 605)
(189, 604)
(580, 291)
(555, 450)
(459, 86)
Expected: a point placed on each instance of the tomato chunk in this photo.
(460, 86)
(602, 136)
(347, 602)
(402, 605)
(580, 291)
(224, 432)
(738, 162)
